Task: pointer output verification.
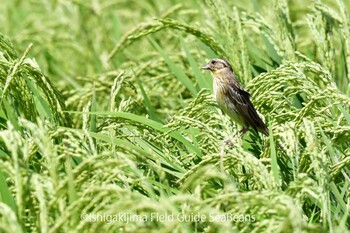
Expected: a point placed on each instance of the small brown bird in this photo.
(232, 98)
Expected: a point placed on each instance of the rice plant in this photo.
(109, 125)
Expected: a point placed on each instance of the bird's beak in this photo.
(206, 67)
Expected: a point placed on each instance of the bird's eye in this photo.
(213, 62)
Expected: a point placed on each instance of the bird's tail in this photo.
(263, 129)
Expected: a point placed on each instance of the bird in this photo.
(232, 99)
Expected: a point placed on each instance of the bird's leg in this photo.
(243, 131)
(229, 142)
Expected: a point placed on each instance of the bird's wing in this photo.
(241, 99)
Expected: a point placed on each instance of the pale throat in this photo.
(220, 83)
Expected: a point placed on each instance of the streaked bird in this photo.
(232, 99)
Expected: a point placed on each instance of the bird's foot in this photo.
(229, 141)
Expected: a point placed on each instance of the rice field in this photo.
(108, 124)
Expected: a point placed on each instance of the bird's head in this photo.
(217, 64)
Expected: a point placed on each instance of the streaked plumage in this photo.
(232, 98)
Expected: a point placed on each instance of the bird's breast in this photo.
(221, 95)
(220, 89)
